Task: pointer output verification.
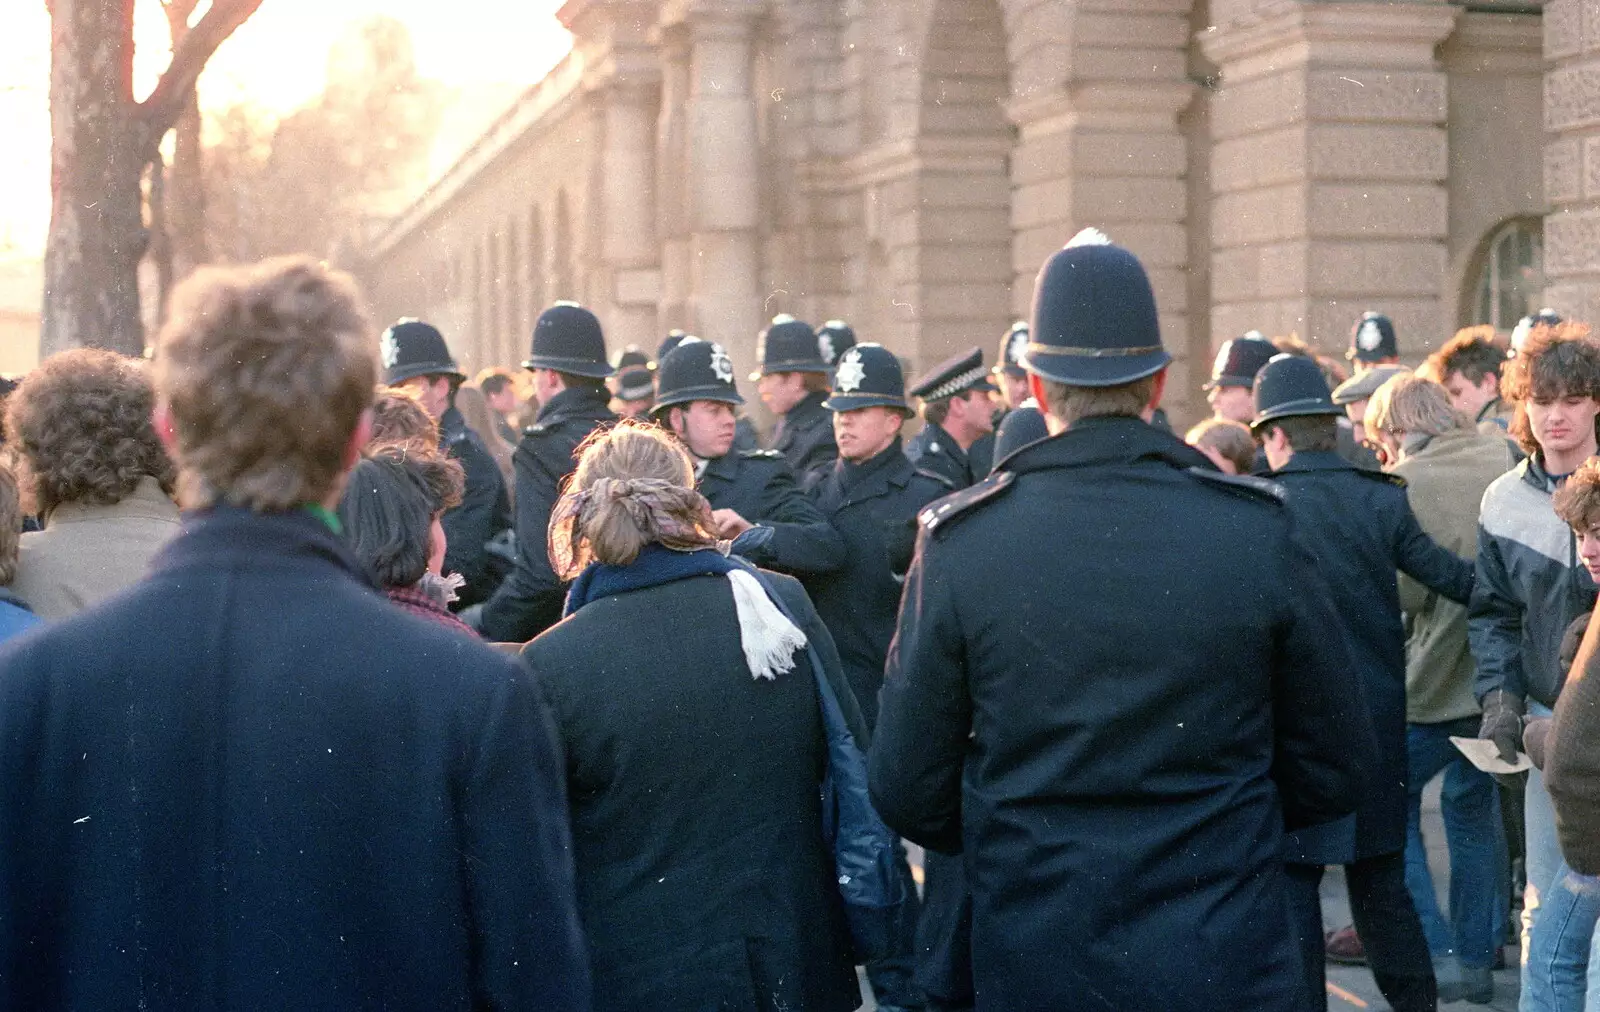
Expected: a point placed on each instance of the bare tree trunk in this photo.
(161, 244)
(186, 194)
(98, 153)
(101, 140)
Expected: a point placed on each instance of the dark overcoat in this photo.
(1113, 683)
(703, 880)
(1359, 525)
(251, 782)
(530, 599)
(484, 512)
(805, 437)
(759, 486)
(936, 452)
(874, 507)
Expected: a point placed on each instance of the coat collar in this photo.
(1094, 442)
(575, 402)
(1319, 460)
(231, 535)
(874, 477)
(146, 502)
(936, 439)
(806, 413)
(725, 467)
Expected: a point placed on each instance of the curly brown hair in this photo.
(399, 417)
(1577, 501)
(266, 371)
(82, 422)
(1556, 361)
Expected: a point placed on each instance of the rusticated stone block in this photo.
(1572, 243)
(1384, 210)
(1562, 171)
(1256, 216)
(1591, 167)
(1385, 96)
(1376, 269)
(1259, 105)
(1270, 159)
(1378, 152)
(1563, 28)
(1572, 97)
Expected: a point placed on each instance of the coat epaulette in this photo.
(941, 511)
(760, 454)
(535, 430)
(1259, 488)
(1384, 476)
(943, 480)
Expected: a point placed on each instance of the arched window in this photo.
(1508, 276)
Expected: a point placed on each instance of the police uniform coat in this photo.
(758, 485)
(250, 781)
(874, 506)
(805, 437)
(1139, 737)
(703, 879)
(936, 453)
(1360, 526)
(530, 599)
(484, 512)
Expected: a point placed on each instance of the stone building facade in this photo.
(907, 165)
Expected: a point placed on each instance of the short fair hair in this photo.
(266, 371)
(1411, 403)
(1069, 404)
(82, 422)
(1229, 438)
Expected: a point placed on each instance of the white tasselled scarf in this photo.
(769, 639)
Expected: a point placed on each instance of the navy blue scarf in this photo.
(654, 566)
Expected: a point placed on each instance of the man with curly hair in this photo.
(95, 475)
(1529, 584)
(251, 781)
(1469, 368)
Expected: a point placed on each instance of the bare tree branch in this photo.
(163, 106)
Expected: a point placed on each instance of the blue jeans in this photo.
(1558, 960)
(1470, 804)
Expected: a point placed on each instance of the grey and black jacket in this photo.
(1530, 586)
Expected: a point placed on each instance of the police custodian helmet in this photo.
(868, 376)
(789, 345)
(568, 339)
(413, 348)
(1290, 386)
(1094, 317)
(695, 370)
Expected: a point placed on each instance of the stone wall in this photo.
(1572, 157)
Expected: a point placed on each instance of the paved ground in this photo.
(1350, 987)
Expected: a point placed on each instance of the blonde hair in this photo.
(634, 486)
(266, 371)
(1411, 403)
(1069, 404)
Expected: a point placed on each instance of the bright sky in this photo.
(275, 61)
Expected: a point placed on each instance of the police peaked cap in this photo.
(834, 338)
(1360, 388)
(1239, 360)
(635, 383)
(1291, 386)
(568, 339)
(1013, 345)
(1372, 339)
(695, 370)
(413, 348)
(955, 375)
(1094, 317)
(867, 376)
(789, 345)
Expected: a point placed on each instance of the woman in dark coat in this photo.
(694, 748)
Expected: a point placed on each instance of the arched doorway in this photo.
(1505, 280)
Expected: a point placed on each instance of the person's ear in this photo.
(161, 420)
(1158, 390)
(1036, 390)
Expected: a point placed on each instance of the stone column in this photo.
(672, 188)
(1102, 146)
(723, 160)
(1572, 157)
(1328, 169)
(628, 213)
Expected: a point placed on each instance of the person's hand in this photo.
(1535, 732)
(729, 523)
(1502, 723)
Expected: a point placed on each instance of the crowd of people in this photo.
(334, 679)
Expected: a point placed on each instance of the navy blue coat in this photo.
(805, 438)
(1112, 685)
(758, 485)
(874, 506)
(1360, 527)
(484, 512)
(252, 782)
(936, 453)
(530, 599)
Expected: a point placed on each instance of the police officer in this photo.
(1233, 376)
(1008, 371)
(957, 441)
(568, 360)
(1110, 741)
(1372, 343)
(635, 390)
(1361, 530)
(872, 496)
(416, 358)
(793, 383)
(696, 398)
(1352, 396)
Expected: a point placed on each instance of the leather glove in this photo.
(1502, 722)
(1534, 735)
